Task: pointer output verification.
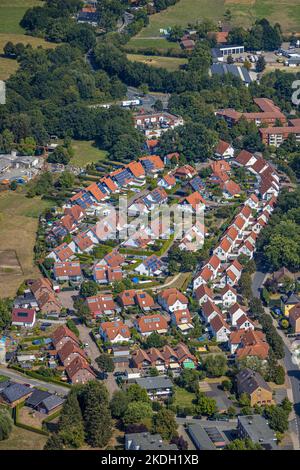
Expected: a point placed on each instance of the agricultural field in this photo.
(85, 152)
(169, 63)
(18, 225)
(244, 13)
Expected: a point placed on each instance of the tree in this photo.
(154, 340)
(105, 363)
(118, 403)
(5, 312)
(5, 425)
(70, 425)
(189, 379)
(179, 442)
(13, 185)
(243, 444)
(136, 411)
(226, 385)
(206, 405)
(244, 399)
(277, 417)
(245, 284)
(54, 442)
(59, 155)
(215, 365)
(164, 423)
(136, 393)
(88, 288)
(96, 413)
(260, 64)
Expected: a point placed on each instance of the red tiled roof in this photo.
(69, 268)
(24, 315)
(171, 295)
(63, 252)
(149, 323)
(96, 192)
(244, 157)
(222, 147)
(114, 328)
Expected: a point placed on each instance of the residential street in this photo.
(292, 370)
(93, 352)
(15, 376)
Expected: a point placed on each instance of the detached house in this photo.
(152, 266)
(224, 150)
(102, 305)
(67, 271)
(219, 329)
(209, 310)
(150, 324)
(203, 293)
(182, 319)
(252, 384)
(114, 332)
(23, 317)
(203, 277)
(228, 295)
(235, 312)
(172, 299)
(144, 301)
(223, 250)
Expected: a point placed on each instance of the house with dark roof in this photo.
(252, 384)
(14, 394)
(159, 387)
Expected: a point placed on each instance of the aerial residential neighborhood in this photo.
(149, 228)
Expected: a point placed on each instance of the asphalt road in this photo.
(292, 370)
(15, 376)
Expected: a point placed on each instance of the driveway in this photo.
(92, 349)
(93, 352)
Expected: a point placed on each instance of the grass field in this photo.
(86, 152)
(12, 11)
(21, 439)
(142, 42)
(18, 225)
(183, 397)
(244, 13)
(169, 63)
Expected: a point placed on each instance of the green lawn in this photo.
(86, 152)
(12, 11)
(244, 13)
(183, 398)
(140, 42)
(169, 63)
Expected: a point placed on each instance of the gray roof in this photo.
(258, 430)
(4, 384)
(200, 438)
(37, 397)
(52, 402)
(236, 70)
(248, 381)
(154, 383)
(15, 391)
(146, 441)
